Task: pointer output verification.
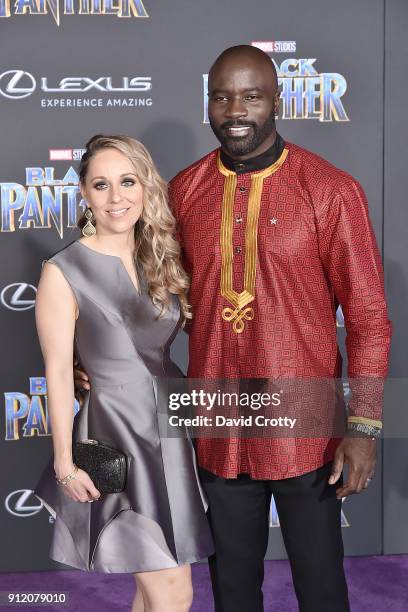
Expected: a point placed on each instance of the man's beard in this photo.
(244, 145)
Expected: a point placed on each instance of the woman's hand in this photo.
(80, 488)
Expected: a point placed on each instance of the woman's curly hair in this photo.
(156, 248)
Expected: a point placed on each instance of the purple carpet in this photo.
(376, 584)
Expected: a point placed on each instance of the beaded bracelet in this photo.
(363, 429)
(66, 479)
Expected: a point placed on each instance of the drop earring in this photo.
(89, 228)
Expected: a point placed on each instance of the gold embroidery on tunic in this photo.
(240, 300)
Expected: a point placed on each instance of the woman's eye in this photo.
(129, 182)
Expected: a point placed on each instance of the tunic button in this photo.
(242, 189)
(239, 219)
(238, 250)
(240, 166)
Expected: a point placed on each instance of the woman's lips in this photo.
(117, 213)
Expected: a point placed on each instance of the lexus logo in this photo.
(18, 296)
(16, 503)
(17, 84)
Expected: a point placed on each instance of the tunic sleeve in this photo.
(174, 203)
(352, 264)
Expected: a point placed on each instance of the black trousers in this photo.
(310, 518)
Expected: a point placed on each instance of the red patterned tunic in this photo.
(271, 254)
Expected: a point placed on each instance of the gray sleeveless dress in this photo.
(159, 521)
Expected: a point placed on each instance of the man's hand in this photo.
(81, 381)
(361, 456)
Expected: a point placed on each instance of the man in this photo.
(274, 238)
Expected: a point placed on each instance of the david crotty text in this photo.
(222, 421)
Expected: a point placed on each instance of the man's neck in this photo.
(257, 162)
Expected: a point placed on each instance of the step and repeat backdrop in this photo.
(73, 68)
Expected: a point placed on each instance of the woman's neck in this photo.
(113, 244)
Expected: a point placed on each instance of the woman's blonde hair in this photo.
(156, 249)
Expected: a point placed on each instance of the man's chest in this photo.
(241, 218)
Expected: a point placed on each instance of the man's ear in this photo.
(277, 102)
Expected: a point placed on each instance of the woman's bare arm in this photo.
(56, 311)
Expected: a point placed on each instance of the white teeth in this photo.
(238, 130)
(116, 213)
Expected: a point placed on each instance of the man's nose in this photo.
(236, 108)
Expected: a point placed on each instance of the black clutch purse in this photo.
(106, 466)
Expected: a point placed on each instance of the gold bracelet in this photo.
(66, 479)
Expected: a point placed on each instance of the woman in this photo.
(116, 297)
